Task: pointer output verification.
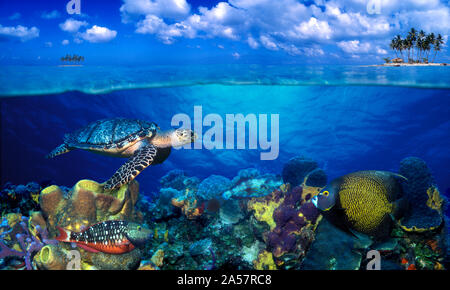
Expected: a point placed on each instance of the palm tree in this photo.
(412, 37)
(437, 45)
(420, 44)
(393, 46)
(399, 44)
(429, 40)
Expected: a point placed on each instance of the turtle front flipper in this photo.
(61, 149)
(127, 172)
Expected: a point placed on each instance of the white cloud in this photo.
(65, 42)
(21, 32)
(289, 25)
(98, 34)
(354, 46)
(173, 9)
(72, 25)
(313, 29)
(252, 42)
(236, 55)
(50, 15)
(357, 47)
(268, 43)
(15, 16)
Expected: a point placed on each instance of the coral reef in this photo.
(213, 187)
(19, 198)
(291, 220)
(254, 221)
(23, 237)
(250, 183)
(85, 205)
(425, 201)
(188, 205)
(264, 261)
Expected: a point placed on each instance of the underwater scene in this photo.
(226, 168)
(238, 136)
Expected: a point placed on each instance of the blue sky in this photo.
(233, 31)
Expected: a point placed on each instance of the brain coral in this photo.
(213, 187)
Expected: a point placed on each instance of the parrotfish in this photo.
(112, 237)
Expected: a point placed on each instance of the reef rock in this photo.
(333, 249)
(421, 191)
(297, 168)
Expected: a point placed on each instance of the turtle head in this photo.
(180, 137)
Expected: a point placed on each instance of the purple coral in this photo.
(291, 217)
(29, 243)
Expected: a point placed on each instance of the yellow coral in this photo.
(35, 197)
(264, 209)
(13, 219)
(264, 261)
(434, 198)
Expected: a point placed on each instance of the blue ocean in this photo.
(345, 118)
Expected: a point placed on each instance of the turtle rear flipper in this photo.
(61, 149)
(140, 160)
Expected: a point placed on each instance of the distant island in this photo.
(73, 60)
(416, 47)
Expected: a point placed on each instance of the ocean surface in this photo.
(347, 118)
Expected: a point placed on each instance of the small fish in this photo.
(112, 237)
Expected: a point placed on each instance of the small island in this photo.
(416, 48)
(73, 60)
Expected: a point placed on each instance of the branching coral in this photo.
(24, 243)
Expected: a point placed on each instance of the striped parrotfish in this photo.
(364, 201)
(112, 237)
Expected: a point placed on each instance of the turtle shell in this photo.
(110, 133)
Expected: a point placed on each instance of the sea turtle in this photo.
(141, 141)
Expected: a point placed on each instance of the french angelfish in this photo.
(112, 237)
(364, 201)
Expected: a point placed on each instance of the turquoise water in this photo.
(346, 118)
(41, 80)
